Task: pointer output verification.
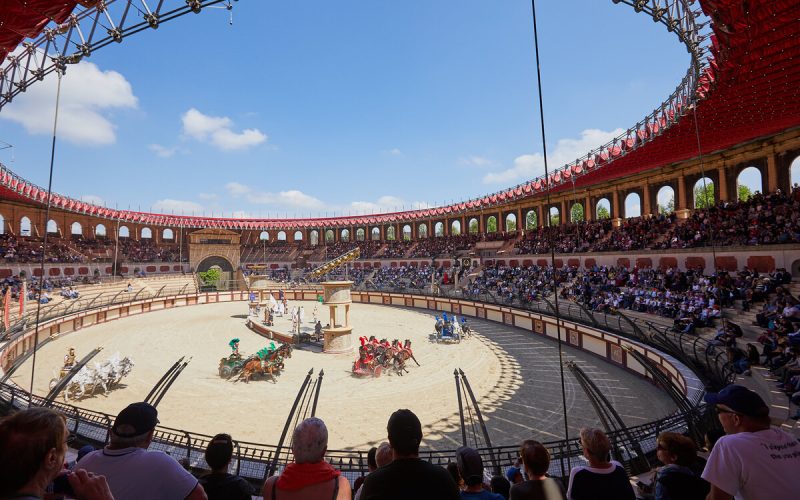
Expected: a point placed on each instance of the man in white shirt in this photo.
(754, 461)
(132, 472)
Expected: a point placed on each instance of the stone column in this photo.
(723, 184)
(588, 209)
(772, 173)
(681, 211)
(647, 209)
(616, 212)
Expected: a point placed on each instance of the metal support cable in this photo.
(46, 218)
(549, 224)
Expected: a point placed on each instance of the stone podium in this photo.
(337, 334)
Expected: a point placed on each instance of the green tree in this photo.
(668, 208)
(491, 225)
(473, 226)
(210, 277)
(576, 213)
(530, 220)
(603, 213)
(511, 224)
(744, 193)
(555, 219)
(704, 195)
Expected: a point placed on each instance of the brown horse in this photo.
(269, 366)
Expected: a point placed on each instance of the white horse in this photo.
(106, 375)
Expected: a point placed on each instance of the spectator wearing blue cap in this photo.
(753, 461)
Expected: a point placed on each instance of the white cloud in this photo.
(163, 151)
(476, 161)
(88, 94)
(530, 166)
(170, 206)
(208, 196)
(93, 199)
(218, 130)
(291, 198)
(383, 204)
(394, 152)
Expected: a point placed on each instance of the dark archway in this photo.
(209, 262)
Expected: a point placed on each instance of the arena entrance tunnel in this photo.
(225, 268)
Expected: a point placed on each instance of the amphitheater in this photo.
(544, 359)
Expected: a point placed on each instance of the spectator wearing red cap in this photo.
(753, 461)
(133, 472)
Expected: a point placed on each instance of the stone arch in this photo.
(329, 236)
(76, 229)
(215, 261)
(633, 205)
(602, 209)
(375, 234)
(360, 234)
(555, 216)
(100, 231)
(390, 236)
(25, 226)
(52, 227)
(438, 230)
(406, 232)
(531, 219)
(749, 181)
(281, 235)
(491, 224)
(698, 200)
(146, 233)
(665, 200)
(473, 226)
(298, 236)
(124, 232)
(795, 270)
(2, 224)
(344, 235)
(167, 234)
(455, 228)
(422, 231)
(264, 236)
(794, 171)
(511, 222)
(313, 237)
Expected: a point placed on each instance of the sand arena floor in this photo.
(513, 374)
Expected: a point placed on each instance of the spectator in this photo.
(132, 471)
(753, 460)
(601, 479)
(33, 445)
(220, 485)
(470, 468)
(514, 475)
(536, 459)
(408, 476)
(383, 456)
(309, 476)
(371, 466)
(678, 479)
(500, 485)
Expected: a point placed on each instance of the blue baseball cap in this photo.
(739, 399)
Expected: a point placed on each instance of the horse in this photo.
(269, 366)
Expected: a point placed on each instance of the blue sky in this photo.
(309, 107)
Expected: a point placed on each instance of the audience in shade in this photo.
(407, 476)
(679, 478)
(219, 484)
(754, 460)
(601, 479)
(537, 486)
(309, 476)
(132, 471)
(33, 445)
(470, 468)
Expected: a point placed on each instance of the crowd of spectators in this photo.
(752, 460)
(29, 249)
(405, 277)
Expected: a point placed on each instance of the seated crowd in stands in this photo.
(751, 461)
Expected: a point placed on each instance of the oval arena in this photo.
(613, 291)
